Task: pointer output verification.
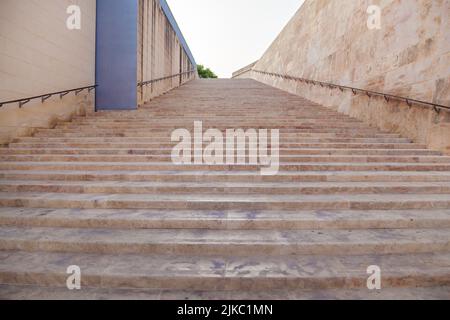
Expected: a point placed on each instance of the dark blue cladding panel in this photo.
(116, 54)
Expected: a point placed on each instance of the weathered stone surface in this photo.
(329, 41)
(224, 220)
(26, 292)
(218, 273)
(101, 193)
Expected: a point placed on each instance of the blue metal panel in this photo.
(173, 22)
(116, 54)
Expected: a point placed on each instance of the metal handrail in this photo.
(369, 93)
(144, 83)
(46, 96)
(63, 93)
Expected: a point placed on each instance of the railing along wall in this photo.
(46, 96)
(180, 75)
(355, 91)
(43, 97)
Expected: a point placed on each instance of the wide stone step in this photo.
(151, 135)
(283, 158)
(168, 166)
(285, 188)
(283, 129)
(34, 292)
(210, 113)
(168, 144)
(284, 125)
(148, 127)
(167, 131)
(226, 202)
(224, 220)
(160, 151)
(210, 121)
(220, 118)
(285, 138)
(140, 139)
(227, 242)
(228, 176)
(149, 131)
(208, 108)
(224, 274)
(142, 115)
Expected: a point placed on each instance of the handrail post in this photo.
(61, 95)
(43, 99)
(24, 102)
(46, 96)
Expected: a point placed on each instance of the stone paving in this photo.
(101, 192)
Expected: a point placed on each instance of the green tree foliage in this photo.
(205, 73)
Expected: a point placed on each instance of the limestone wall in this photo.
(160, 53)
(243, 72)
(39, 54)
(329, 41)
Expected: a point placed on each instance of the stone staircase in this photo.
(102, 193)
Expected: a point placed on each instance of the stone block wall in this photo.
(329, 41)
(38, 55)
(244, 71)
(160, 52)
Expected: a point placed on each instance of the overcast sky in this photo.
(226, 35)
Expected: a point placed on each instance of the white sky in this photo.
(226, 35)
